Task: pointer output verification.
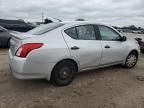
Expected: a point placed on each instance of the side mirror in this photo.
(124, 38)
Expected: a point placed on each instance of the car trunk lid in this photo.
(21, 36)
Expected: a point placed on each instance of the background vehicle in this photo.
(141, 44)
(58, 50)
(4, 37)
(16, 25)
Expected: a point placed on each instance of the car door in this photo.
(83, 45)
(113, 50)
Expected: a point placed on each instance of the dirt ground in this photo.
(113, 87)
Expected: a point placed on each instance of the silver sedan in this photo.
(57, 51)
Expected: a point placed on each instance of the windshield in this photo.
(44, 28)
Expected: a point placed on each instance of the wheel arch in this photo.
(134, 50)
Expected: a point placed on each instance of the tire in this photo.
(131, 60)
(63, 73)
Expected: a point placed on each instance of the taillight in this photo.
(26, 48)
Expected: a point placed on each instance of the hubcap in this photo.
(131, 60)
(64, 73)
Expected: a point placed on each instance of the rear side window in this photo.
(84, 32)
(44, 28)
(72, 32)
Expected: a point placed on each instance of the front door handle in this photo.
(75, 48)
(107, 46)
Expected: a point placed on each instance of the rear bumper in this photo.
(21, 68)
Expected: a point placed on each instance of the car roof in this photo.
(6, 21)
(72, 23)
(81, 22)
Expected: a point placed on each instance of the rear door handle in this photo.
(107, 46)
(75, 48)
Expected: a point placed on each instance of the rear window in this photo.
(44, 28)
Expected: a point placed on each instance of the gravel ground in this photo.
(113, 87)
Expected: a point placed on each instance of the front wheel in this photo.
(131, 60)
(63, 73)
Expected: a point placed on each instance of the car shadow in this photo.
(101, 70)
(35, 83)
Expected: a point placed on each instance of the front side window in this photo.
(84, 32)
(108, 34)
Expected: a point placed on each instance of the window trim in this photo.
(75, 26)
(112, 30)
(97, 32)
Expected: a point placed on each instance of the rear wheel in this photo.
(131, 60)
(63, 73)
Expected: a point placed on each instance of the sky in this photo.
(112, 12)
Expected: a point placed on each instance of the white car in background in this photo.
(57, 51)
